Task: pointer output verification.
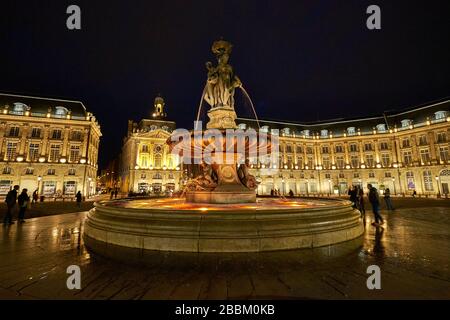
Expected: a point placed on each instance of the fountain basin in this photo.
(175, 225)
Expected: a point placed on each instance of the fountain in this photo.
(219, 210)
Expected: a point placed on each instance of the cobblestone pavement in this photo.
(413, 252)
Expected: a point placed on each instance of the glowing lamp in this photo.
(63, 160)
(41, 159)
(19, 158)
(82, 161)
(136, 167)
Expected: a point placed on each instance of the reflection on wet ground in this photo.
(413, 252)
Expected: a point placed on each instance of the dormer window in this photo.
(286, 131)
(406, 123)
(381, 127)
(19, 108)
(440, 115)
(153, 127)
(61, 112)
(242, 126)
(324, 133)
(165, 128)
(306, 133)
(351, 131)
(264, 129)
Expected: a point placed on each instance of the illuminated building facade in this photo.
(403, 151)
(47, 144)
(146, 163)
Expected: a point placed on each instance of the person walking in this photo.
(360, 199)
(35, 196)
(10, 200)
(375, 202)
(353, 195)
(79, 197)
(23, 201)
(291, 193)
(387, 199)
(112, 194)
(115, 193)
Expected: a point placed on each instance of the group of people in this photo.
(12, 198)
(276, 192)
(356, 194)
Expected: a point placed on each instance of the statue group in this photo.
(221, 82)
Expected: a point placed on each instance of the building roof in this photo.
(41, 105)
(391, 119)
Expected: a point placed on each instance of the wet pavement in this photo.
(413, 252)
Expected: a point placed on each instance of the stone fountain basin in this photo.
(177, 226)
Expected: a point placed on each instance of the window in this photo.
(406, 123)
(299, 149)
(36, 132)
(423, 141)
(341, 176)
(425, 156)
(326, 163)
(369, 160)
(143, 176)
(371, 174)
(354, 161)
(7, 170)
(410, 180)
(443, 153)
(19, 108)
(309, 150)
(340, 162)
(381, 127)
(60, 112)
(74, 155)
(324, 133)
(367, 147)
(54, 152)
(440, 115)
(306, 133)
(385, 160)
(428, 180)
(441, 137)
(405, 143)
(29, 171)
(76, 135)
(339, 149)
(11, 151)
(157, 176)
(289, 162)
(407, 158)
(310, 162)
(289, 148)
(72, 172)
(351, 131)
(51, 172)
(170, 176)
(384, 146)
(14, 131)
(33, 151)
(158, 161)
(356, 175)
(387, 175)
(300, 162)
(325, 149)
(353, 147)
(56, 134)
(144, 148)
(327, 176)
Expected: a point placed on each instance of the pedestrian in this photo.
(23, 201)
(79, 197)
(387, 199)
(35, 196)
(362, 208)
(291, 193)
(272, 192)
(352, 193)
(115, 193)
(375, 202)
(112, 194)
(414, 194)
(10, 200)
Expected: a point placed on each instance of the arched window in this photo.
(19, 108)
(406, 123)
(381, 127)
(351, 131)
(157, 176)
(440, 115)
(61, 112)
(324, 133)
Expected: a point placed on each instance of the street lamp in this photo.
(39, 178)
(393, 182)
(439, 187)
(89, 188)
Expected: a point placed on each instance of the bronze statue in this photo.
(246, 178)
(221, 82)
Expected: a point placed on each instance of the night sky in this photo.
(299, 60)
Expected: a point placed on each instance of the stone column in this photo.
(44, 148)
(66, 142)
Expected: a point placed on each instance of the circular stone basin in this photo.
(171, 224)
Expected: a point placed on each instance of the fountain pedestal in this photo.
(222, 118)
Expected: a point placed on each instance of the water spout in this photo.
(251, 103)
(200, 108)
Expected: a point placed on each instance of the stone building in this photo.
(403, 151)
(47, 144)
(146, 163)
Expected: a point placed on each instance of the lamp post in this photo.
(439, 187)
(89, 187)
(393, 182)
(39, 178)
